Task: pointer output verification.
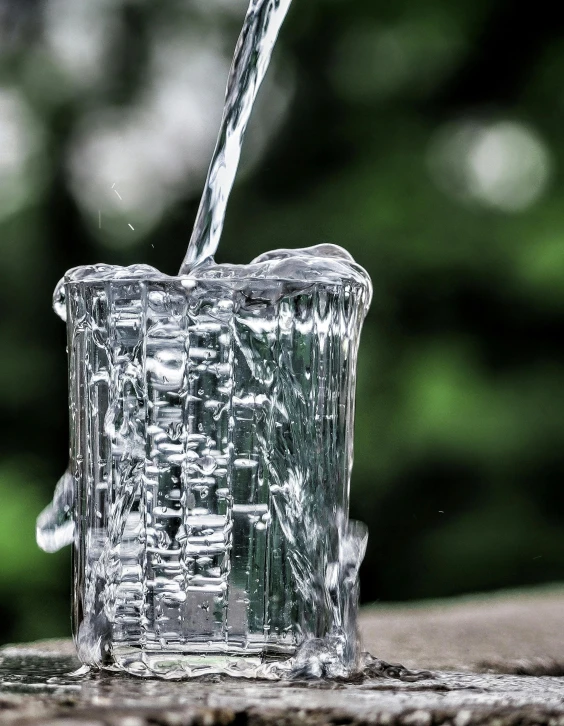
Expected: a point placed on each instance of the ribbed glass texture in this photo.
(198, 413)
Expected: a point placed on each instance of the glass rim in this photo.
(233, 282)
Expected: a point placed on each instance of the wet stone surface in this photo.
(36, 685)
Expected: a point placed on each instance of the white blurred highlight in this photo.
(20, 140)
(504, 164)
(78, 34)
(157, 150)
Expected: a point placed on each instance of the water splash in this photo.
(55, 525)
(252, 57)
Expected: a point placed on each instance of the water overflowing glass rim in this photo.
(324, 262)
(298, 269)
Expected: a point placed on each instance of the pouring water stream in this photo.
(252, 57)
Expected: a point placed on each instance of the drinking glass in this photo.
(211, 430)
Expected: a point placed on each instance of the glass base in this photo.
(180, 664)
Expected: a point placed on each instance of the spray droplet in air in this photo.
(59, 300)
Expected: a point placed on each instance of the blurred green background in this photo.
(424, 136)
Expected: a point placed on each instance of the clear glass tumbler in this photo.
(210, 420)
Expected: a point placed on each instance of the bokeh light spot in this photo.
(20, 138)
(78, 34)
(156, 150)
(504, 164)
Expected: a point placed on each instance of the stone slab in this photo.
(477, 650)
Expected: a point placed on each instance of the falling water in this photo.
(252, 58)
